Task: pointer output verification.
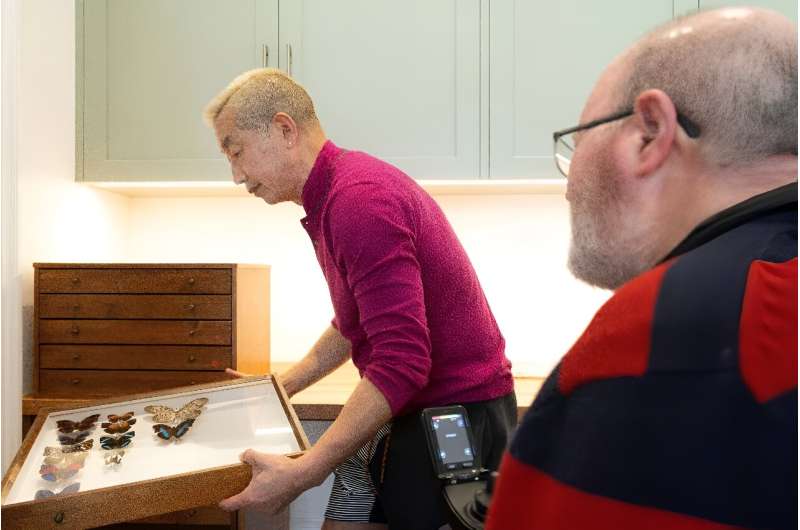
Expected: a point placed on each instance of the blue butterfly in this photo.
(117, 442)
(166, 432)
(44, 494)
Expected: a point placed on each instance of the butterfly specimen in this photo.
(66, 458)
(164, 414)
(166, 432)
(73, 438)
(117, 442)
(57, 451)
(67, 426)
(114, 457)
(118, 426)
(52, 472)
(44, 494)
(113, 418)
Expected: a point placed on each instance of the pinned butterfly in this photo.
(184, 417)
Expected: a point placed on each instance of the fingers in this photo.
(234, 374)
(238, 501)
(254, 458)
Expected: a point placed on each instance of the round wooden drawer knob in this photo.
(75, 280)
(76, 307)
(192, 332)
(191, 281)
(76, 356)
(190, 307)
(76, 381)
(192, 358)
(75, 330)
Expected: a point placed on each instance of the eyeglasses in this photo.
(564, 141)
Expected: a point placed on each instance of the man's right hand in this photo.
(233, 374)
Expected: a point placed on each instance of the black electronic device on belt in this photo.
(451, 445)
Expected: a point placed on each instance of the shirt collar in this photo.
(318, 183)
(783, 197)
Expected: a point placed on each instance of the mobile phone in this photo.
(450, 443)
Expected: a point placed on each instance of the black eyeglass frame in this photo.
(691, 128)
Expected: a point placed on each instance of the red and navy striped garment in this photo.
(677, 407)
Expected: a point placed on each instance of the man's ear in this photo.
(284, 125)
(655, 120)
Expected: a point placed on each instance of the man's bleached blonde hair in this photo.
(257, 95)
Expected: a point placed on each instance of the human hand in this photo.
(233, 374)
(277, 481)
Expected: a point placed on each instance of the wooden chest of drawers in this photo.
(113, 329)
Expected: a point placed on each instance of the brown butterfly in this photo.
(66, 458)
(76, 448)
(73, 438)
(113, 418)
(119, 426)
(191, 410)
(67, 426)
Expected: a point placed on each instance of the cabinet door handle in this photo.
(190, 307)
(265, 55)
(289, 60)
(192, 332)
(192, 358)
(76, 381)
(75, 280)
(191, 281)
(75, 330)
(76, 356)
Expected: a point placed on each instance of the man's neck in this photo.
(705, 192)
(310, 148)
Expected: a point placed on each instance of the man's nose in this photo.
(237, 174)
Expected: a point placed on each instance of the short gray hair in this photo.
(737, 82)
(257, 95)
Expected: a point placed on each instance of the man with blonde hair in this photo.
(409, 311)
(677, 407)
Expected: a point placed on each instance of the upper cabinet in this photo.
(440, 88)
(399, 80)
(146, 70)
(545, 59)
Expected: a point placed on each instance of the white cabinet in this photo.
(545, 58)
(147, 68)
(399, 80)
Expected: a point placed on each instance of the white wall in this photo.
(517, 243)
(58, 219)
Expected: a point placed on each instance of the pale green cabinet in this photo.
(545, 59)
(399, 80)
(146, 69)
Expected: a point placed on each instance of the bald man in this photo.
(677, 407)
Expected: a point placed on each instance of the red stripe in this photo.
(617, 341)
(526, 498)
(768, 329)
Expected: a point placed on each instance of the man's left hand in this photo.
(277, 481)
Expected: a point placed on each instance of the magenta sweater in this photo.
(404, 292)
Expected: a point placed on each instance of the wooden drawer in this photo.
(144, 357)
(215, 332)
(207, 515)
(211, 307)
(73, 383)
(178, 281)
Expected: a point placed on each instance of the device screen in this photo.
(451, 437)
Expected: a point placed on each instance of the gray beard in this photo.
(605, 251)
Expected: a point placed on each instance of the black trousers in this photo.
(409, 493)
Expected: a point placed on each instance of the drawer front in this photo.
(206, 515)
(116, 357)
(178, 281)
(211, 307)
(93, 383)
(213, 332)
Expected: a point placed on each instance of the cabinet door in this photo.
(146, 70)
(786, 7)
(399, 80)
(545, 58)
